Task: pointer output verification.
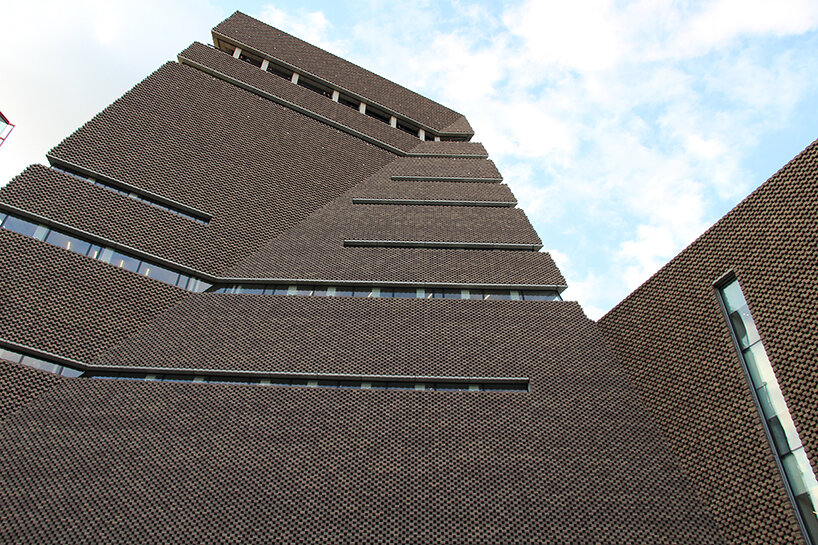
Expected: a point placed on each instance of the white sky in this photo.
(624, 128)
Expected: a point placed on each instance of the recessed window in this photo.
(773, 408)
(349, 101)
(280, 71)
(315, 87)
(378, 114)
(255, 61)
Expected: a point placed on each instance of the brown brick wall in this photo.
(71, 305)
(258, 167)
(673, 340)
(575, 460)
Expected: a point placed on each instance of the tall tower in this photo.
(269, 296)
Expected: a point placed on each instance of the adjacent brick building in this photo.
(270, 297)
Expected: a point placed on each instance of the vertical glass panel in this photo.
(94, 251)
(743, 325)
(301, 290)
(257, 290)
(501, 295)
(198, 285)
(2, 218)
(71, 373)
(320, 290)
(182, 281)
(539, 295)
(779, 437)
(761, 372)
(733, 297)
(69, 243)
(362, 292)
(343, 292)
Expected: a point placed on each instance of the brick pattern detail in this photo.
(449, 148)
(314, 249)
(181, 463)
(673, 339)
(438, 223)
(186, 122)
(446, 167)
(19, 385)
(71, 305)
(460, 191)
(275, 85)
(316, 61)
(413, 337)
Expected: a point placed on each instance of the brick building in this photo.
(268, 296)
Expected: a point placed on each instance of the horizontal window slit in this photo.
(134, 195)
(110, 256)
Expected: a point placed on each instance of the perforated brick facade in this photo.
(375, 416)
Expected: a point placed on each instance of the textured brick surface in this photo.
(357, 335)
(449, 148)
(310, 59)
(275, 85)
(258, 167)
(446, 167)
(577, 459)
(672, 337)
(20, 385)
(71, 305)
(466, 191)
(123, 461)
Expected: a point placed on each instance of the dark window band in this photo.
(441, 384)
(113, 257)
(141, 197)
(390, 292)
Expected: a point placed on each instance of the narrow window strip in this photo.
(135, 195)
(121, 260)
(786, 442)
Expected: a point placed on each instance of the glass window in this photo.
(500, 295)
(41, 364)
(158, 273)
(344, 292)
(404, 293)
(69, 243)
(321, 290)
(530, 295)
(301, 290)
(10, 356)
(121, 261)
(362, 292)
(773, 408)
(2, 218)
(23, 227)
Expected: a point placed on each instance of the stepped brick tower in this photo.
(268, 296)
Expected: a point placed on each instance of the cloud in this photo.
(311, 26)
